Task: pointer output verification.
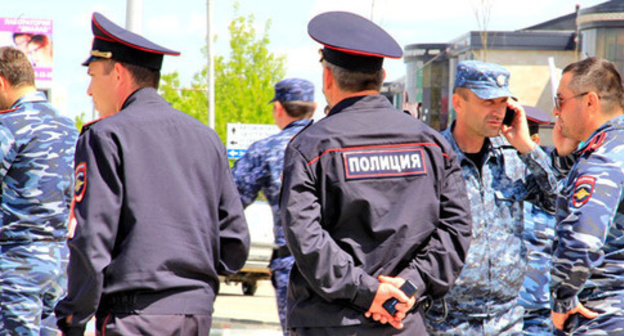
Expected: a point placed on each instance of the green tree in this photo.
(191, 100)
(243, 81)
(80, 120)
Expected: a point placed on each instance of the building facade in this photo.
(535, 56)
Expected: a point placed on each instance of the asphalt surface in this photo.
(237, 314)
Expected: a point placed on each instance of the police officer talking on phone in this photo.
(372, 201)
(502, 167)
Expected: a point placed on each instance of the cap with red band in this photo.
(113, 42)
(353, 42)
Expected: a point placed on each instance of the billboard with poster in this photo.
(34, 38)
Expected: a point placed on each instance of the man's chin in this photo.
(492, 133)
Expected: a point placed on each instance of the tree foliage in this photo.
(80, 120)
(243, 81)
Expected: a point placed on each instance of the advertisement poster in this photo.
(34, 38)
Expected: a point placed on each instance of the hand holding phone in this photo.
(510, 115)
(408, 288)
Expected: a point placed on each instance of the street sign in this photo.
(241, 136)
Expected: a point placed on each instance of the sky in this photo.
(181, 25)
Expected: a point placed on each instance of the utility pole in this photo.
(210, 60)
(134, 16)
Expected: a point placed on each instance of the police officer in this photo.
(261, 169)
(539, 232)
(36, 159)
(501, 168)
(156, 210)
(587, 285)
(371, 198)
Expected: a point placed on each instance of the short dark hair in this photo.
(463, 92)
(298, 109)
(16, 68)
(356, 81)
(599, 75)
(143, 76)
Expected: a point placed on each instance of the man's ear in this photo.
(3, 83)
(458, 102)
(119, 70)
(328, 78)
(593, 102)
(279, 109)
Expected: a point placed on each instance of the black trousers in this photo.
(115, 324)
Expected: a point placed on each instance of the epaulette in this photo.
(595, 143)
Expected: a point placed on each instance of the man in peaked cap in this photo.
(502, 167)
(348, 180)
(261, 169)
(156, 213)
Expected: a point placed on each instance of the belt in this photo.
(166, 302)
(281, 252)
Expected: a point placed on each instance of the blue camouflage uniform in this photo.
(36, 167)
(483, 300)
(261, 169)
(588, 259)
(539, 232)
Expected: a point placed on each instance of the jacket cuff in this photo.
(536, 154)
(366, 293)
(414, 276)
(563, 306)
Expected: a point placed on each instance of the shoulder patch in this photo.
(583, 190)
(383, 162)
(80, 181)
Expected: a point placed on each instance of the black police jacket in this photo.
(157, 212)
(370, 191)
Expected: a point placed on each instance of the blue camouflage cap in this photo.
(294, 89)
(486, 80)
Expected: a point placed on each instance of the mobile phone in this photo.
(510, 115)
(408, 288)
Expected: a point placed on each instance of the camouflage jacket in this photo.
(539, 232)
(261, 169)
(589, 240)
(36, 166)
(494, 271)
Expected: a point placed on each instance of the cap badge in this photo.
(500, 80)
(102, 54)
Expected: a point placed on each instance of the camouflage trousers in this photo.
(33, 279)
(280, 273)
(537, 322)
(610, 322)
(505, 324)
